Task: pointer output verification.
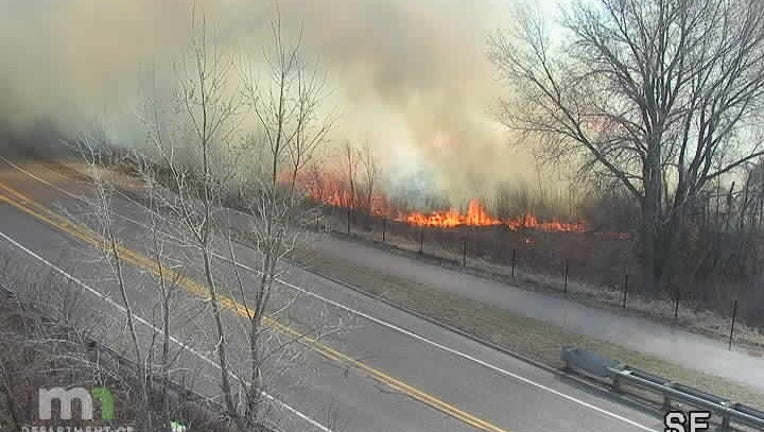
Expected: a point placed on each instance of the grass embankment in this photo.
(691, 316)
(532, 338)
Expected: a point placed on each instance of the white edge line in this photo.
(420, 338)
(459, 353)
(379, 321)
(151, 326)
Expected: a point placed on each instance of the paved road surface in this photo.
(670, 343)
(383, 370)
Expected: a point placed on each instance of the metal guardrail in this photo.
(618, 374)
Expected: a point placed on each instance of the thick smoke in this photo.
(408, 77)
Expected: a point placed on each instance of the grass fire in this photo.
(335, 191)
(332, 215)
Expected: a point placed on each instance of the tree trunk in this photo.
(221, 344)
(651, 219)
(256, 381)
(669, 241)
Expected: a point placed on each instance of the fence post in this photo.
(384, 228)
(514, 262)
(676, 305)
(625, 289)
(348, 220)
(421, 240)
(732, 328)
(565, 286)
(464, 251)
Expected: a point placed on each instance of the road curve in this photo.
(385, 370)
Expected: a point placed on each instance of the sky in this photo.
(410, 78)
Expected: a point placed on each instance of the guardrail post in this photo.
(676, 305)
(565, 360)
(666, 403)
(616, 387)
(384, 228)
(348, 220)
(421, 240)
(725, 422)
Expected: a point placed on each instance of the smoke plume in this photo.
(409, 77)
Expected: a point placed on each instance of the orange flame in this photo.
(334, 191)
(477, 216)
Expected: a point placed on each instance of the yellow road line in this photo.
(86, 235)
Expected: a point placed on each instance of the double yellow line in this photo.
(87, 236)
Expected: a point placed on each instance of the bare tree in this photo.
(166, 290)
(311, 128)
(288, 108)
(291, 131)
(661, 95)
(350, 196)
(112, 249)
(40, 344)
(370, 175)
(208, 106)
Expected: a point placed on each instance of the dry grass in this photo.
(690, 316)
(48, 339)
(527, 336)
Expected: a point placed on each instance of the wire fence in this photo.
(562, 260)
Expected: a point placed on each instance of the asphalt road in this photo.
(365, 366)
(671, 343)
